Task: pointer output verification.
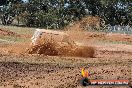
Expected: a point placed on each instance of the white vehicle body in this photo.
(56, 36)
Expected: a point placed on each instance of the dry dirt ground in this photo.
(113, 60)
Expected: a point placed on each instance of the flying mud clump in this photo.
(54, 43)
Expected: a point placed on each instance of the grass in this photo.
(19, 30)
(14, 39)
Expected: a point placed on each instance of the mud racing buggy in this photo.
(51, 42)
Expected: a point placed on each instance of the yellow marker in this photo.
(84, 73)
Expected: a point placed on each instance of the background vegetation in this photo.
(58, 13)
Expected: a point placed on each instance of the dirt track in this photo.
(62, 72)
(111, 61)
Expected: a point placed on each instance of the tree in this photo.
(58, 13)
(116, 12)
(10, 10)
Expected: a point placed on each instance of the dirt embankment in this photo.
(6, 32)
(109, 36)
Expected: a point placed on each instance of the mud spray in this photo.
(68, 48)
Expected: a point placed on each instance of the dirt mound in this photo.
(8, 33)
(58, 49)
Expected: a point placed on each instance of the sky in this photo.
(25, 0)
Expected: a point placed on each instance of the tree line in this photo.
(59, 13)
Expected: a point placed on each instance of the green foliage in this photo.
(58, 13)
